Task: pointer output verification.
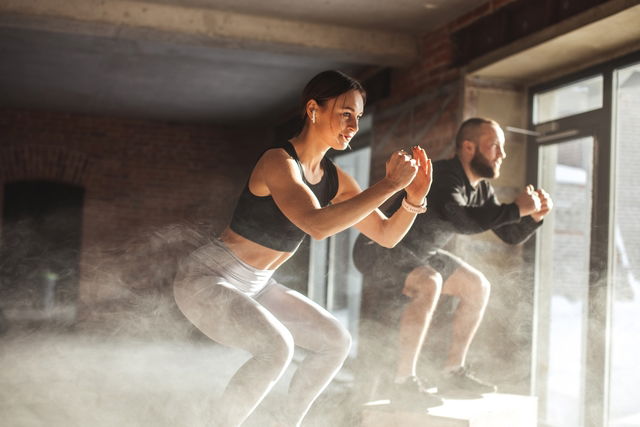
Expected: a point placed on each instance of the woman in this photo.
(225, 287)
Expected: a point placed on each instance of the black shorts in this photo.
(384, 280)
(396, 263)
(397, 270)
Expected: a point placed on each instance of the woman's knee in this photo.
(343, 341)
(277, 347)
(336, 339)
(271, 355)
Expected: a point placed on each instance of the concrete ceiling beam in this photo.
(203, 26)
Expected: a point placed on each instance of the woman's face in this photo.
(338, 119)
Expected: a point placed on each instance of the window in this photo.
(624, 402)
(578, 97)
(588, 253)
(334, 282)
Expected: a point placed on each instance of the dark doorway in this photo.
(40, 251)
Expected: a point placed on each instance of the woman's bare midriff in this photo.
(252, 253)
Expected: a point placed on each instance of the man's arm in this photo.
(449, 198)
(521, 231)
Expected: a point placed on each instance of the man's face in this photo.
(489, 153)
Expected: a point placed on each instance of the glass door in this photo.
(572, 151)
(565, 170)
(624, 400)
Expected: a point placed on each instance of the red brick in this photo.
(136, 174)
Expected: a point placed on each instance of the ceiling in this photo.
(229, 62)
(591, 38)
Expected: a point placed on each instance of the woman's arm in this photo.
(280, 175)
(386, 231)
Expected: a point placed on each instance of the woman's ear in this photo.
(312, 108)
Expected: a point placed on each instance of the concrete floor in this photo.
(68, 379)
(155, 370)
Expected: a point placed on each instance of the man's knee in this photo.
(469, 285)
(482, 286)
(423, 283)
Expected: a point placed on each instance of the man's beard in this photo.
(481, 166)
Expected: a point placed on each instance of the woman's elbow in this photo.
(317, 233)
(385, 237)
(388, 243)
(319, 236)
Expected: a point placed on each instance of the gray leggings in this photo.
(239, 306)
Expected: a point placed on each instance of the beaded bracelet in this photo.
(413, 208)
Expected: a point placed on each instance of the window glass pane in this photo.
(575, 98)
(335, 283)
(566, 172)
(624, 400)
(345, 281)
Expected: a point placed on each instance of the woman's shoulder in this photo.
(275, 154)
(276, 161)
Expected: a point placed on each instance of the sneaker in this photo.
(461, 381)
(415, 393)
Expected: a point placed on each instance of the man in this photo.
(461, 201)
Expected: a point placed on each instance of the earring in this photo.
(313, 117)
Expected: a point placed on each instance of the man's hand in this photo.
(528, 201)
(419, 187)
(546, 204)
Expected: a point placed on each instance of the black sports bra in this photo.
(260, 220)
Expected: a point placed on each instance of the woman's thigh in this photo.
(312, 326)
(226, 315)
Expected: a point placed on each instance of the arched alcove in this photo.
(40, 250)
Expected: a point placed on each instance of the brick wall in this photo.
(425, 106)
(138, 177)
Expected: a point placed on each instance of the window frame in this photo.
(598, 123)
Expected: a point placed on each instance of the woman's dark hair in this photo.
(327, 85)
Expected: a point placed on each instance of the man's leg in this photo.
(472, 289)
(423, 285)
